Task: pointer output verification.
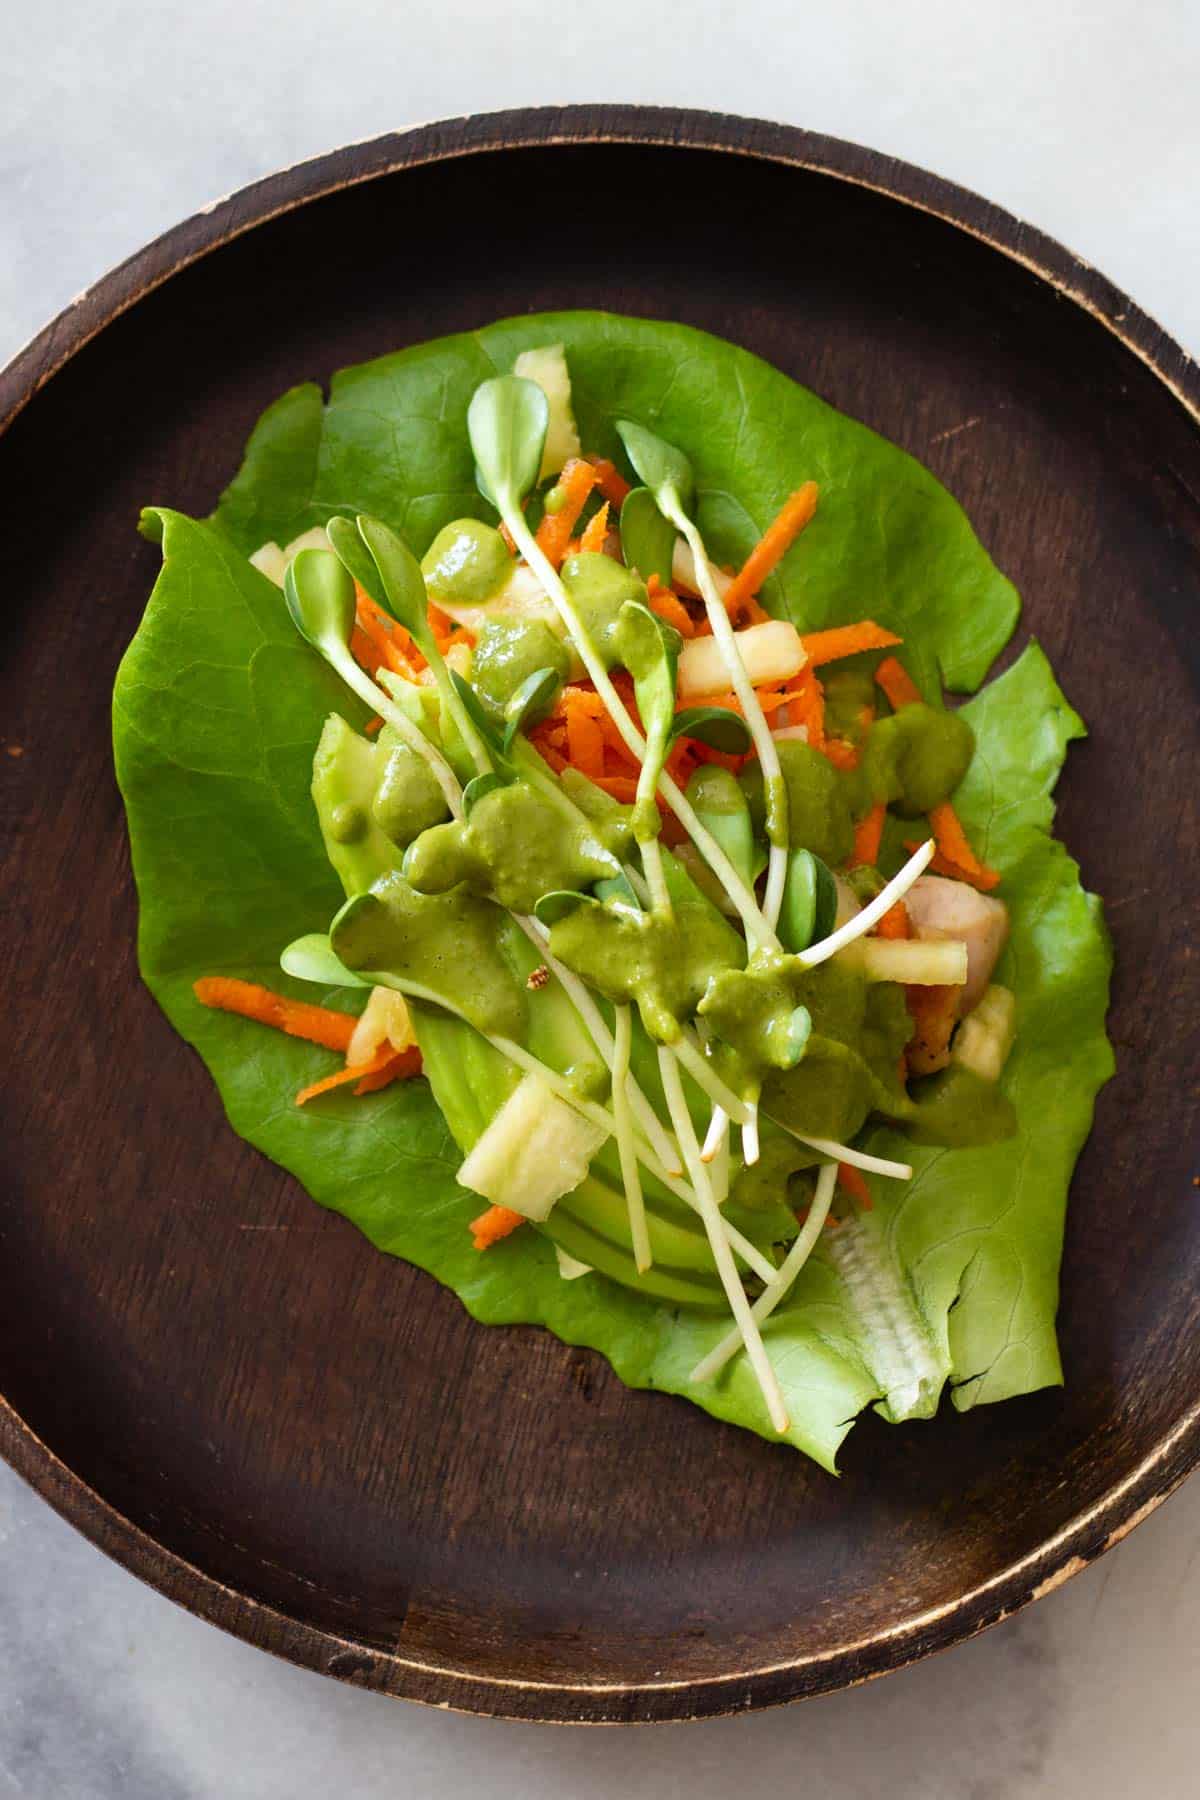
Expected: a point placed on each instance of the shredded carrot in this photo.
(595, 531)
(897, 683)
(807, 707)
(668, 606)
(357, 1072)
(446, 630)
(868, 835)
(319, 1024)
(372, 726)
(610, 481)
(585, 742)
(941, 865)
(951, 841)
(894, 923)
(365, 651)
(395, 647)
(621, 787)
(772, 546)
(841, 754)
(570, 493)
(851, 1182)
(847, 640)
(496, 1223)
(402, 1065)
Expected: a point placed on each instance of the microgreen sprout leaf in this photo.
(809, 901)
(665, 470)
(530, 703)
(619, 890)
(320, 597)
(480, 719)
(312, 958)
(507, 422)
(718, 726)
(400, 574)
(799, 1032)
(647, 539)
(558, 903)
(722, 807)
(354, 556)
(475, 790)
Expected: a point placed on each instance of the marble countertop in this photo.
(118, 120)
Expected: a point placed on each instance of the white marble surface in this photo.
(118, 119)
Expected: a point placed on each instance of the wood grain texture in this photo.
(311, 1444)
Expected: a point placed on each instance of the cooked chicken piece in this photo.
(934, 1013)
(939, 908)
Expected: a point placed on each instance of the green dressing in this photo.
(509, 650)
(517, 845)
(448, 943)
(467, 563)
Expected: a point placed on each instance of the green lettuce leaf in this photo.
(953, 1278)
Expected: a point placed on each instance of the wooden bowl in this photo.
(311, 1444)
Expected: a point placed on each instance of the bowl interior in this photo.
(321, 1429)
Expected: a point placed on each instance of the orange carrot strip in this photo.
(570, 492)
(401, 1065)
(319, 1024)
(395, 646)
(847, 640)
(355, 1072)
(621, 787)
(595, 531)
(772, 546)
(372, 726)
(496, 1223)
(868, 835)
(894, 923)
(365, 651)
(585, 742)
(951, 840)
(841, 754)
(609, 480)
(941, 865)
(670, 607)
(897, 683)
(851, 1182)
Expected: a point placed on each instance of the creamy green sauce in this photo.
(509, 650)
(467, 563)
(446, 942)
(662, 965)
(516, 846)
(598, 588)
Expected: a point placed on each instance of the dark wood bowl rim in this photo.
(1090, 1532)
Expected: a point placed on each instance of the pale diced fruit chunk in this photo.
(771, 652)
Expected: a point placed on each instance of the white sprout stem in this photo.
(742, 896)
(634, 1199)
(716, 1136)
(743, 687)
(467, 728)
(777, 866)
(594, 1021)
(720, 1176)
(750, 1139)
(685, 1131)
(857, 1159)
(706, 1077)
(781, 1283)
(656, 881)
(871, 914)
(374, 697)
